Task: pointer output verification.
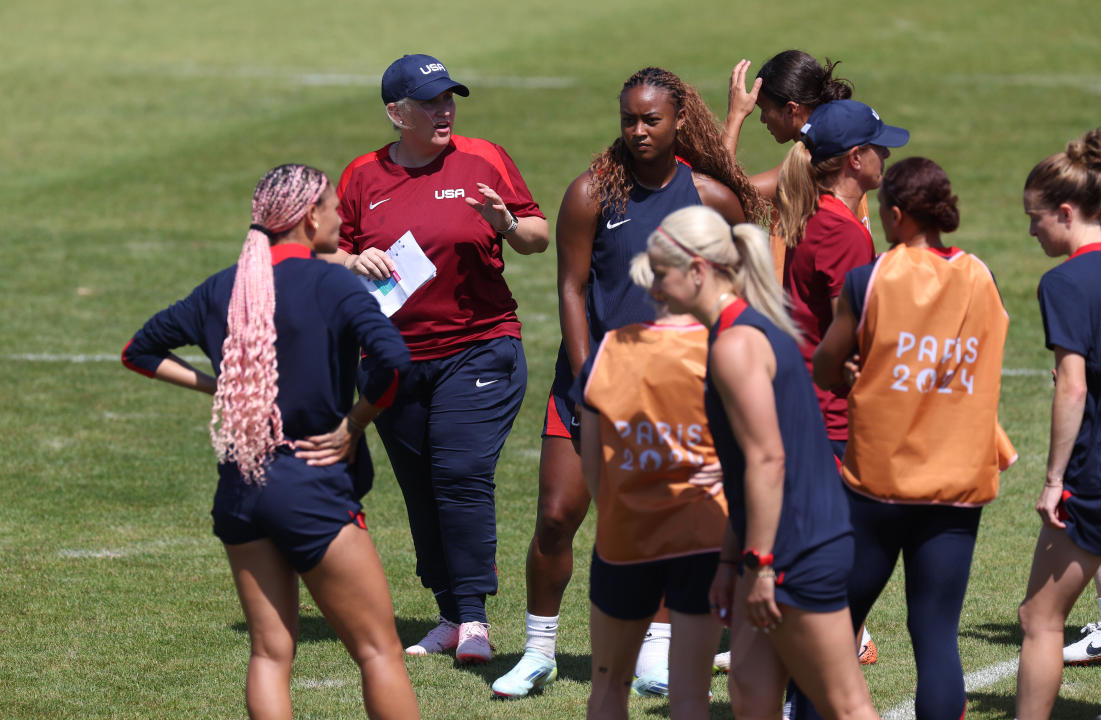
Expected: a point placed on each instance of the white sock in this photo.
(654, 653)
(542, 633)
(866, 637)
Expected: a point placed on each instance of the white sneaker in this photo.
(721, 663)
(443, 637)
(653, 684)
(473, 645)
(1087, 650)
(534, 672)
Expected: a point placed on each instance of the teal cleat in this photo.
(533, 673)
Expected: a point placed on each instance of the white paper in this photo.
(412, 268)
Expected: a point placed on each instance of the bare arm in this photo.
(1067, 407)
(574, 234)
(177, 371)
(340, 443)
(836, 347)
(719, 197)
(743, 366)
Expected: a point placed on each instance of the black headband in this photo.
(260, 228)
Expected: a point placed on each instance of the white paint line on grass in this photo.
(972, 681)
(336, 79)
(114, 357)
(120, 552)
(78, 359)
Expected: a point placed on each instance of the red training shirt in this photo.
(835, 242)
(468, 300)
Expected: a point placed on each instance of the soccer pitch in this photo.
(132, 135)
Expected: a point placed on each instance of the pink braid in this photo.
(251, 426)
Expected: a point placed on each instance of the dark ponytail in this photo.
(795, 76)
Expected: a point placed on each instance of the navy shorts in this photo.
(818, 580)
(1083, 518)
(633, 591)
(560, 419)
(299, 508)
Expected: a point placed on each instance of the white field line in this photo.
(336, 79)
(972, 681)
(114, 357)
(145, 548)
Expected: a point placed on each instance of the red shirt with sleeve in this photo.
(468, 301)
(835, 242)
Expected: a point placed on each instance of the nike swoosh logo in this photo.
(374, 205)
(612, 226)
(479, 383)
(1092, 650)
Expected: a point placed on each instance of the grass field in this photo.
(131, 136)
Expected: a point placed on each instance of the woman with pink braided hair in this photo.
(283, 332)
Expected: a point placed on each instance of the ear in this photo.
(798, 112)
(310, 219)
(855, 161)
(393, 111)
(1066, 213)
(896, 215)
(681, 119)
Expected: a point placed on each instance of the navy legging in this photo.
(936, 543)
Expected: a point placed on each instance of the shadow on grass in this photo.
(311, 628)
(995, 633)
(1006, 706)
(1009, 634)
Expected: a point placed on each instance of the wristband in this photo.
(753, 560)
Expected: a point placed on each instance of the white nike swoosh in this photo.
(374, 205)
(612, 226)
(479, 383)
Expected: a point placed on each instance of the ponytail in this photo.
(800, 183)
(246, 426)
(755, 277)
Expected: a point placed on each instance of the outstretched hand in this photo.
(492, 208)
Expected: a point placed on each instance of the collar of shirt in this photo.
(281, 252)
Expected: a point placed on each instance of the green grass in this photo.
(132, 134)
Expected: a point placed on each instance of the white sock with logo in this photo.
(542, 633)
(654, 653)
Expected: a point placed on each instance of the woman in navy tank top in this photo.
(669, 155)
(781, 582)
(1062, 198)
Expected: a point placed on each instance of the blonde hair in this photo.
(800, 183)
(699, 231)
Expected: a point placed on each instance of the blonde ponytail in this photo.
(755, 277)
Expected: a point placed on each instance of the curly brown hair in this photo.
(698, 143)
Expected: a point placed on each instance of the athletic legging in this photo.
(936, 543)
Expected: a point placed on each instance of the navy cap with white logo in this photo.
(421, 77)
(837, 126)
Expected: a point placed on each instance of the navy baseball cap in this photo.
(421, 77)
(835, 127)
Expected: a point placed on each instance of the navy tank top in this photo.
(613, 300)
(815, 509)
